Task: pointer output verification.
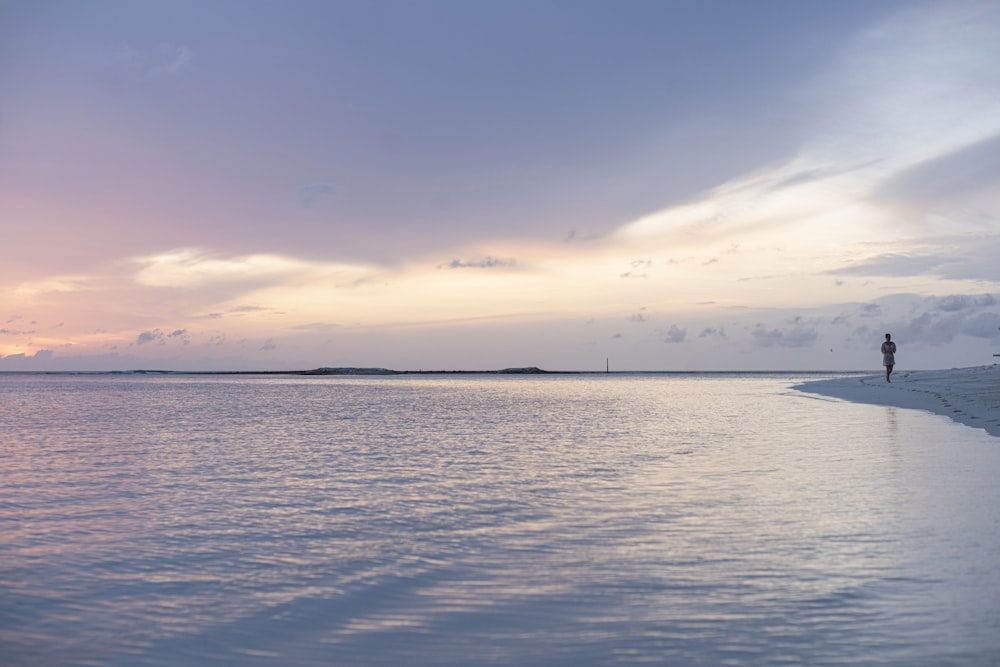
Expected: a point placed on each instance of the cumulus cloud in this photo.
(871, 310)
(23, 361)
(956, 302)
(181, 334)
(712, 331)
(936, 321)
(158, 336)
(268, 345)
(149, 337)
(791, 337)
(674, 334)
(982, 325)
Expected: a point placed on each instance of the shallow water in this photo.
(455, 520)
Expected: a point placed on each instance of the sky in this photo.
(485, 184)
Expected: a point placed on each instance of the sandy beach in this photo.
(970, 396)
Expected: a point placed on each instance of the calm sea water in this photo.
(489, 520)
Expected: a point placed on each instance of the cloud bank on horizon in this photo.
(442, 184)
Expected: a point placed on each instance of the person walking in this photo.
(888, 356)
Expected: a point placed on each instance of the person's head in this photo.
(888, 336)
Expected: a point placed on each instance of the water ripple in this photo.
(581, 520)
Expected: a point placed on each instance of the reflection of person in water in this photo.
(888, 356)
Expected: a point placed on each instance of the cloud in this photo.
(181, 334)
(960, 173)
(871, 310)
(268, 345)
(674, 334)
(793, 337)
(51, 285)
(712, 331)
(48, 360)
(893, 264)
(193, 267)
(22, 361)
(310, 194)
(957, 302)
(574, 236)
(316, 326)
(937, 321)
(486, 263)
(638, 265)
(797, 176)
(982, 325)
(149, 337)
(157, 336)
(163, 60)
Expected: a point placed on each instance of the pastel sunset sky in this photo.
(481, 184)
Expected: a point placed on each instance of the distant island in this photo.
(350, 370)
(528, 370)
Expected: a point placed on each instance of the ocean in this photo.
(592, 519)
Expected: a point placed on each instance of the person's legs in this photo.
(888, 372)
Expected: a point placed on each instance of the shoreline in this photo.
(969, 396)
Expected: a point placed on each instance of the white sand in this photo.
(970, 396)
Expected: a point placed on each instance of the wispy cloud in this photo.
(892, 264)
(485, 263)
(965, 172)
(153, 62)
(192, 267)
(309, 195)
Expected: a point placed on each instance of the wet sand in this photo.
(970, 396)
